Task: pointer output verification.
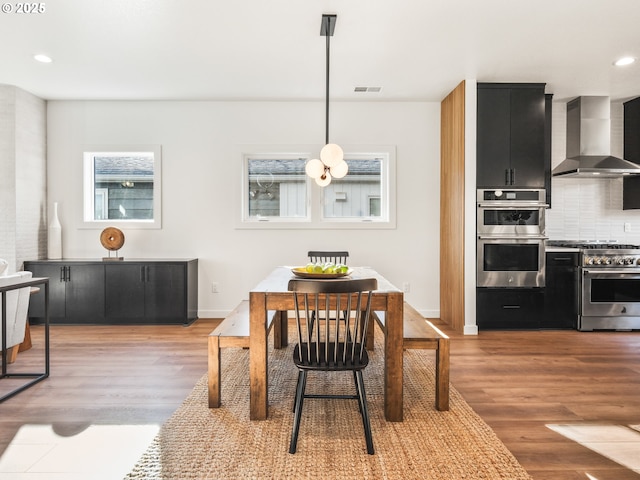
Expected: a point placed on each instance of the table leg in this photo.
(258, 382)
(442, 375)
(393, 357)
(281, 330)
(370, 336)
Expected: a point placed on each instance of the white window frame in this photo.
(103, 195)
(88, 219)
(387, 185)
(264, 220)
(314, 218)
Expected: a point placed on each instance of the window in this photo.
(122, 186)
(358, 196)
(276, 188)
(277, 193)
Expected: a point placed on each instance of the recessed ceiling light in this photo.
(42, 58)
(621, 62)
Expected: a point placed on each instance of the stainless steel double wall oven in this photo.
(511, 238)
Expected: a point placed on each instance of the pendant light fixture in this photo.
(331, 163)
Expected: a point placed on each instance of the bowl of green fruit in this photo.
(322, 270)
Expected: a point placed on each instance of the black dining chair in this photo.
(331, 346)
(324, 256)
(316, 256)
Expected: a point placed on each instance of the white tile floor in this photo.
(619, 443)
(99, 452)
(109, 452)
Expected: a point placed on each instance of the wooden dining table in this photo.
(272, 295)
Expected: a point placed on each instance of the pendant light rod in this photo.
(331, 163)
(326, 30)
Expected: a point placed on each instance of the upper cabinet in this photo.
(631, 187)
(511, 135)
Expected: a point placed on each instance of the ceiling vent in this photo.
(367, 89)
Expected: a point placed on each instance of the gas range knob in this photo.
(606, 261)
(629, 261)
(619, 261)
(589, 260)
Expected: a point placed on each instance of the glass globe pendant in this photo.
(331, 154)
(339, 170)
(324, 179)
(331, 163)
(314, 168)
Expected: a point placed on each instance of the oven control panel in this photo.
(611, 260)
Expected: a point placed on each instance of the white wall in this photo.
(201, 187)
(588, 209)
(22, 176)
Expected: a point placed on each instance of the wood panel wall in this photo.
(452, 113)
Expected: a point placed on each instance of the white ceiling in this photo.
(272, 49)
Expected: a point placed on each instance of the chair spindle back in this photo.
(330, 343)
(318, 256)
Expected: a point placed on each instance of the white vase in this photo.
(55, 235)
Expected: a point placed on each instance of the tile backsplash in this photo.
(588, 209)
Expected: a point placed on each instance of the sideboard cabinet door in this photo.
(76, 292)
(165, 291)
(124, 292)
(151, 292)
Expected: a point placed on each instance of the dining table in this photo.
(272, 295)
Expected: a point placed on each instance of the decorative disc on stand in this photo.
(112, 239)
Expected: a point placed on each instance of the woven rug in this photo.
(202, 443)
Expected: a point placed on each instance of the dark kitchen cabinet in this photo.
(151, 292)
(561, 296)
(76, 292)
(510, 143)
(631, 184)
(548, 110)
(509, 308)
(117, 292)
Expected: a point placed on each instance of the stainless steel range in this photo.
(610, 285)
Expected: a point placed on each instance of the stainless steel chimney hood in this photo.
(589, 142)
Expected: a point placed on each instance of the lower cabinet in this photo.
(74, 292)
(562, 291)
(509, 308)
(117, 292)
(153, 293)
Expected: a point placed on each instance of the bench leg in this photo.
(214, 372)
(442, 375)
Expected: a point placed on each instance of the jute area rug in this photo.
(202, 443)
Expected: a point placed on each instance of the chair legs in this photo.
(362, 406)
(362, 400)
(297, 410)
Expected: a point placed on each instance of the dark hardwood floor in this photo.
(518, 382)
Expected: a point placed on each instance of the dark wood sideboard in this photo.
(117, 292)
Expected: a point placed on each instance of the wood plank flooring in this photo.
(518, 382)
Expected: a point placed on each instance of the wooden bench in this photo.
(421, 333)
(233, 331)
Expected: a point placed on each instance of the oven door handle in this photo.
(627, 271)
(513, 205)
(512, 237)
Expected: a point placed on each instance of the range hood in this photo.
(589, 142)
